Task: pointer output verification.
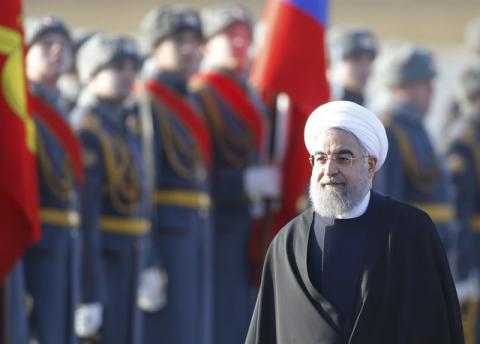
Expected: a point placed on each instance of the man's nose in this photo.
(330, 167)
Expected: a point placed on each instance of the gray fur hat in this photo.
(410, 63)
(36, 27)
(101, 50)
(218, 18)
(356, 41)
(164, 21)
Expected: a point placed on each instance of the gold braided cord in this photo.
(469, 317)
(122, 175)
(238, 141)
(422, 179)
(124, 180)
(191, 151)
(127, 175)
(438, 212)
(224, 137)
(59, 184)
(171, 143)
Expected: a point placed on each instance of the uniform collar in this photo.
(173, 80)
(239, 77)
(353, 96)
(407, 111)
(53, 98)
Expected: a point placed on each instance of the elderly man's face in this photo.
(342, 173)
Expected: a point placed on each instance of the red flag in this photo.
(19, 212)
(292, 60)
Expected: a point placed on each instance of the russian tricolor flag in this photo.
(292, 60)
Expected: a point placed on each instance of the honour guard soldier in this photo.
(463, 159)
(356, 49)
(413, 172)
(182, 151)
(236, 118)
(52, 265)
(472, 43)
(114, 200)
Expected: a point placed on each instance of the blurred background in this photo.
(427, 21)
(438, 24)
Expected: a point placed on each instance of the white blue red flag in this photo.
(292, 61)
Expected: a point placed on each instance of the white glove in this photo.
(262, 181)
(152, 291)
(468, 288)
(88, 319)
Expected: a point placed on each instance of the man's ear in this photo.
(372, 164)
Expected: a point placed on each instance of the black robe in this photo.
(405, 294)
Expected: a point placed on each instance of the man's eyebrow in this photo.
(341, 151)
(345, 151)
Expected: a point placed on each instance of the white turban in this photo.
(351, 117)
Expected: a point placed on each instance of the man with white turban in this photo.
(357, 267)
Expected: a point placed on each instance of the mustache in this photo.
(332, 180)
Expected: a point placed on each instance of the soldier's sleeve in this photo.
(390, 179)
(149, 141)
(461, 163)
(91, 208)
(153, 256)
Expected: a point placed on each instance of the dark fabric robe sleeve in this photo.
(412, 298)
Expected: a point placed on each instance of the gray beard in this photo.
(332, 202)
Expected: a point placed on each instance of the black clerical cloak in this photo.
(405, 294)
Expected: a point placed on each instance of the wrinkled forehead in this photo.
(337, 140)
